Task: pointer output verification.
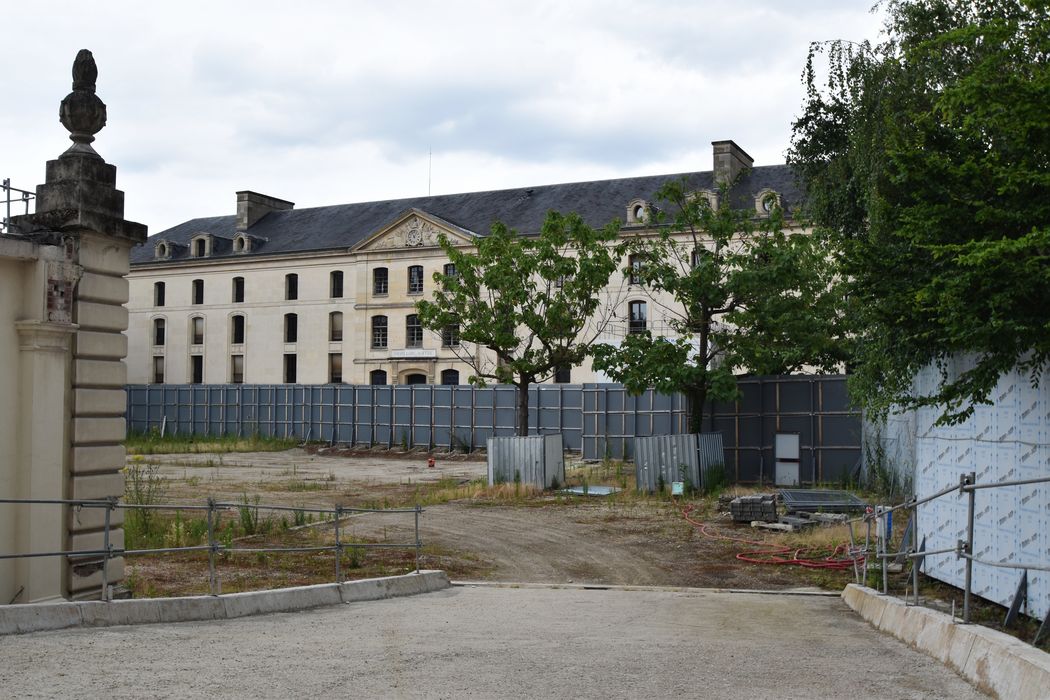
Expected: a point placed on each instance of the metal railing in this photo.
(963, 549)
(24, 197)
(214, 547)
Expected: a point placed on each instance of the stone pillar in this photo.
(79, 203)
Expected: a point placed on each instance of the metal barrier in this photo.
(963, 549)
(214, 547)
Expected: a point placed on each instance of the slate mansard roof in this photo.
(524, 209)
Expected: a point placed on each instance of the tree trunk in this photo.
(695, 400)
(523, 407)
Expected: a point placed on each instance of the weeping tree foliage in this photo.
(736, 293)
(926, 159)
(530, 302)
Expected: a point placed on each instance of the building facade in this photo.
(326, 295)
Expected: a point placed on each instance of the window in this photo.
(197, 330)
(335, 368)
(158, 369)
(380, 282)
(158, 294)
(450, 377)
(200, 248)
(291, 328)
(289, 368)
(158, 331)
(638, 314)
(563, 374)
(291, 287)
(415, 279)
(240, 244)
(450, 336)
(237, 330)
(335, 284)
(377, 377)
(450, 270)
(236, 369)
(694, 258)
(196, 369)
(379, 331)
(416, 379)
(413, 332)
(238, 290)
(635, 263)
(198, 292)
(335, 326)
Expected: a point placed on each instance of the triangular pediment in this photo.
(414, 228)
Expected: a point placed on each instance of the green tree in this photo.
(532, 301)
(926, 158)
(738, 294)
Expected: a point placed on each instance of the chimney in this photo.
(252, 206)
(729, 161)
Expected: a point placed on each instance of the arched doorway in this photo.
(376, 377)
(415, 378)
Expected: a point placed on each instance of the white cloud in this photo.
(330, 102)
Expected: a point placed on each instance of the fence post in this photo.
(418, 543)
(110, 504)
(212, 579)
(969, 480)
(915, 550)
(338, 546)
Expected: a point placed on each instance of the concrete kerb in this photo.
(18, 619)
(993, 661)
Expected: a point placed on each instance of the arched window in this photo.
(335, 284)
(200, 248)
(158, 331)
(416, 378)
(638, 314)
(415, 279)
(158, 294)
(291, 328)
(238, 290)
(335, 326)
(379, 335)
(377, 377)
(380, 281)
(197, 330)
(450, 377)
(413, 332)
(291, 286)
(237, 329)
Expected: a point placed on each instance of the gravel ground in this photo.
(494, 642)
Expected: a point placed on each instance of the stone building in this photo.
(62, 373)
(274, 294)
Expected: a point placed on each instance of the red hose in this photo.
(838, 559)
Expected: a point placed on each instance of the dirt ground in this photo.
(543, 539)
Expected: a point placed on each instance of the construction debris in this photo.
(760, 507)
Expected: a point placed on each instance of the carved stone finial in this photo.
(82, 112)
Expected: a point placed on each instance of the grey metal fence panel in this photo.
(666, 458)
(537, 460)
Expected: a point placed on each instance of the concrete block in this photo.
(95, 316)
(17, 619)
(98, 486)
(100, 373)
(106, 289)
(204, 607)
(281, 600)
(102, 345)
(105, 258)
(93, 518)
(120, 612)
(87, 578)
(92, 429)
(98, 458)
(94, 540)
(893, 617)
(960, 644)
(394, 586)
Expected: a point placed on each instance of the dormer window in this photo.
(242, 243)
(708, 196)
(766, 201)
(162, 251)
(200, 245)
(638, 212)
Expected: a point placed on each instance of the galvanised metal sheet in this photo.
(537, 460)
(666, 458)
(1006, 441)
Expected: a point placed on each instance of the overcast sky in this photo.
(333, 102)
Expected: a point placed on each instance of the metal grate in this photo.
(796, 500)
